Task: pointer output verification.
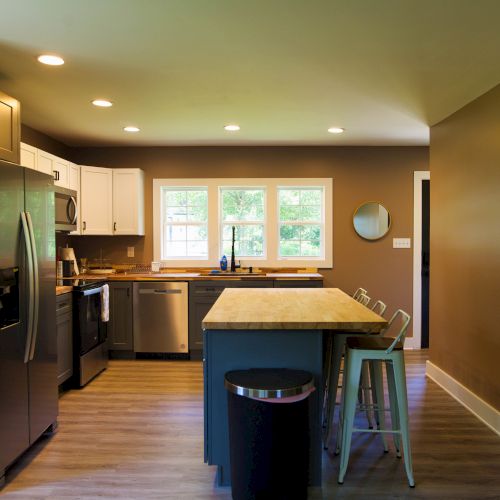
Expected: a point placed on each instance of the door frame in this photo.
(418, 177)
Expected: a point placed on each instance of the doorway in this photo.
(421, 260)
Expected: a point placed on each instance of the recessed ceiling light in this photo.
(232, 128)
(102, 103)
(335, 130)
(131, 129)
(51, 60)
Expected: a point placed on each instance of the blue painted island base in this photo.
(226, 350)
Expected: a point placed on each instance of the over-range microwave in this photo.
(66, 209)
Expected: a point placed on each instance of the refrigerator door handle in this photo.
(31, 287)
(36, 287)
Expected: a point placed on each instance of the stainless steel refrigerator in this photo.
(28, 355)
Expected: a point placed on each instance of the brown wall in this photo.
(465, 246)
(42, 141)
(359, 174)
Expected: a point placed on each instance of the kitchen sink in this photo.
(229, 273)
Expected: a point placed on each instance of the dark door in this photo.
(14, 425)
(425, 261)
(42, 368)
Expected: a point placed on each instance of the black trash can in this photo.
(268, 415)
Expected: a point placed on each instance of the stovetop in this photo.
(81, 283)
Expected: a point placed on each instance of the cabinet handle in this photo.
(84, 225)
(56, 175)
(114, 226)
(128, 292)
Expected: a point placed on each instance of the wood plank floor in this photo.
(136, 432)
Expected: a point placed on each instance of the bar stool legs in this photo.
(398, 403)
(352, 374)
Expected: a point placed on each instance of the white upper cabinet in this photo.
(60, 171)
(53, 165)
(96, 200)
(44, 162)
(74, 177)
(128, 201)
(28, 156)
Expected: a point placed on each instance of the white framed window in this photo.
(301, 222)
(278, 222)
(244, 209)
(184, 222)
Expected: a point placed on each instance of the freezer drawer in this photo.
(160, 311)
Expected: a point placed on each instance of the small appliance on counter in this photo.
(69, 265)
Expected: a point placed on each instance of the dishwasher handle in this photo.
(150, 291)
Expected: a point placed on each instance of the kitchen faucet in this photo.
(233, 262)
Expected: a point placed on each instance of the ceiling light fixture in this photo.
(131, 129)
(335, 130)
(102, 103)
(232, 128)
(51, 60)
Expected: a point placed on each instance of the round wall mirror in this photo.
(371, 220)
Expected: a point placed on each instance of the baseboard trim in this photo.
(477, 406)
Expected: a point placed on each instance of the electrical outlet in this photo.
(130, 251)
(401, 243)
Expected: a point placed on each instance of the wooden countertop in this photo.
(60, 290)
(290, 309)
(199, 277)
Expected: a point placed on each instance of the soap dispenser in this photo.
(223, 263)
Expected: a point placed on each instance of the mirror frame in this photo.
(378, 237)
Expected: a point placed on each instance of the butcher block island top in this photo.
(290, 309)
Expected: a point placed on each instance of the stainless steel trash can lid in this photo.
(268, 382)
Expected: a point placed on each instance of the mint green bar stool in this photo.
(371, 379)
(389, 351)
(335, 354)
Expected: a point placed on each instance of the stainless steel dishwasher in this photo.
(160, 317)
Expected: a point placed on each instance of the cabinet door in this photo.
(74, 184)
(96, 200)
(28, 156)
(202, 296)
(120, 333)
(128, 201)
(10, 128)
(44, 162)
(60, 171)
(64, 331)
(74, 177)
(198, 309)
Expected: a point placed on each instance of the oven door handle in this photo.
(92, 291)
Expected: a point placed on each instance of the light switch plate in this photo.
(130, 251)
(401, 242)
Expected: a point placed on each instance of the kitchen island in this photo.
(272, 328)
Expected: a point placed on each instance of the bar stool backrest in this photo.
(405, 321)
(358, 292)
(379, 307)
(363, 299)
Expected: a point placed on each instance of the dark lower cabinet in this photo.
(203, 294)
(64, 330)
(120, 328)
(298, 284)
